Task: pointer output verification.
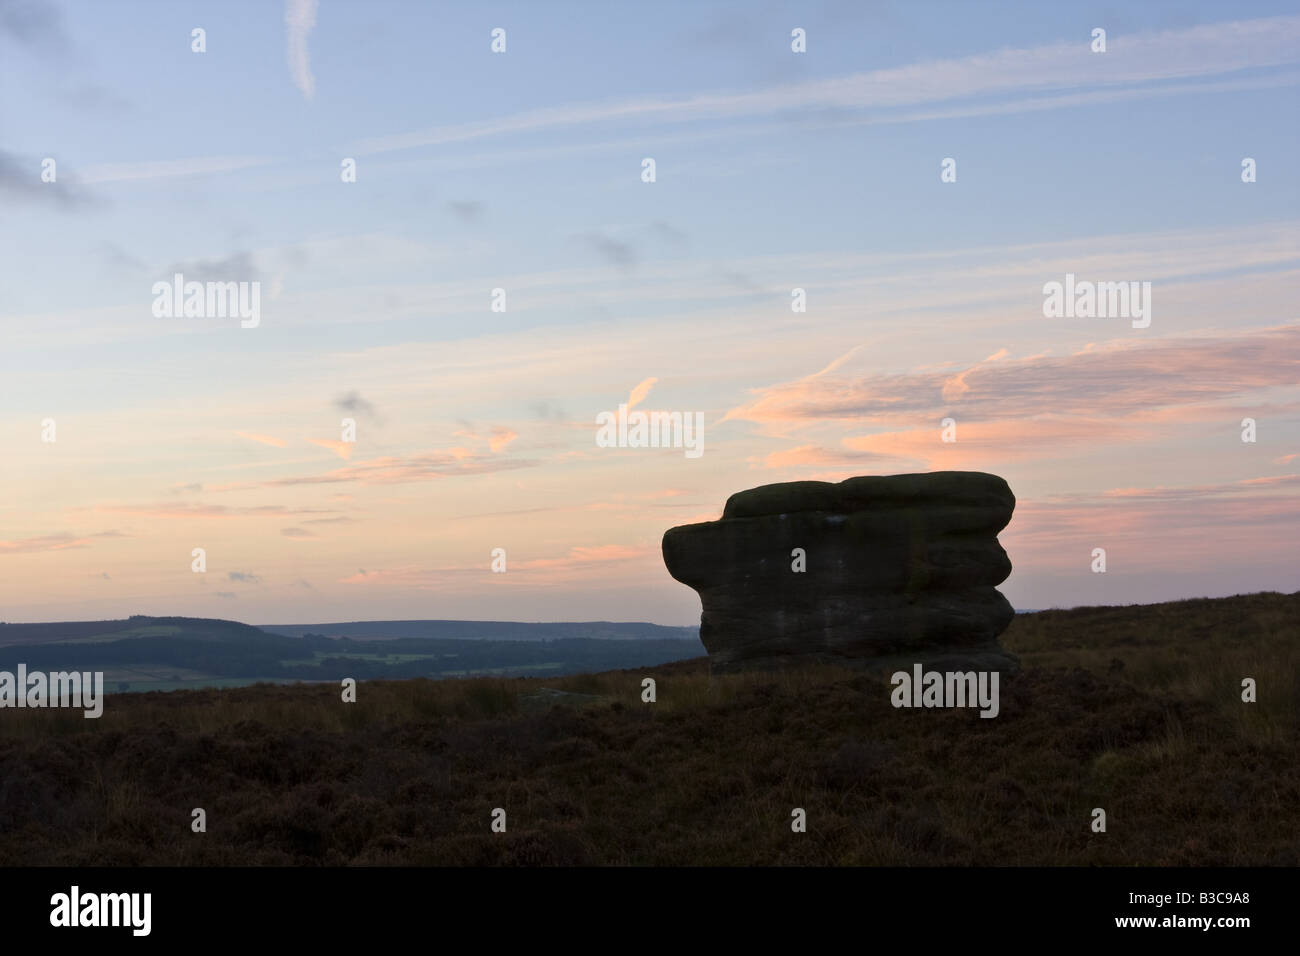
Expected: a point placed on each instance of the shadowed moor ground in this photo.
(1136, 710)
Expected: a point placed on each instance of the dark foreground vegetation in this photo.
(1136, 710)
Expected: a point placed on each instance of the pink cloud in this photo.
(49, 542)
(426, 466)
(816, 455)
(196, 510)
(263, 439)
(1166, 529)
(639, 392)
(978, 441)
(501, 437)
(581, 555)
(1119, 379)
(341, 448)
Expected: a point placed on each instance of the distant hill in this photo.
(136, 626)
(171, 653)
(488, 630)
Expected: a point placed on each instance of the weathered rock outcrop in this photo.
(897, 569)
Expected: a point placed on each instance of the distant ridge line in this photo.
(488, 630)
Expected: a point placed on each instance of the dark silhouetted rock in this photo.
(898, 569)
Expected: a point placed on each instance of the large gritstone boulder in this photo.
(873, 570)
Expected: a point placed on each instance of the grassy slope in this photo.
(1136, 710)
(95, 632)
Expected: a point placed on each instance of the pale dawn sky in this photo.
(522, 169)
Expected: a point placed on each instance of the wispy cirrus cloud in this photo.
(579, 558)
(501, 437)
(300, 20)
(498, 437)
(263, 439)
(1152, 63)
(1187, 492)
(48, 542)
(168, 168)
(1167, 528)
(639, 393)
(1116, 378)
(341, 448)
(1007, 408)
(62, 541)
(979, 442)
(425, 466)
(197, 510)
(805, 456)
(583, 556)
